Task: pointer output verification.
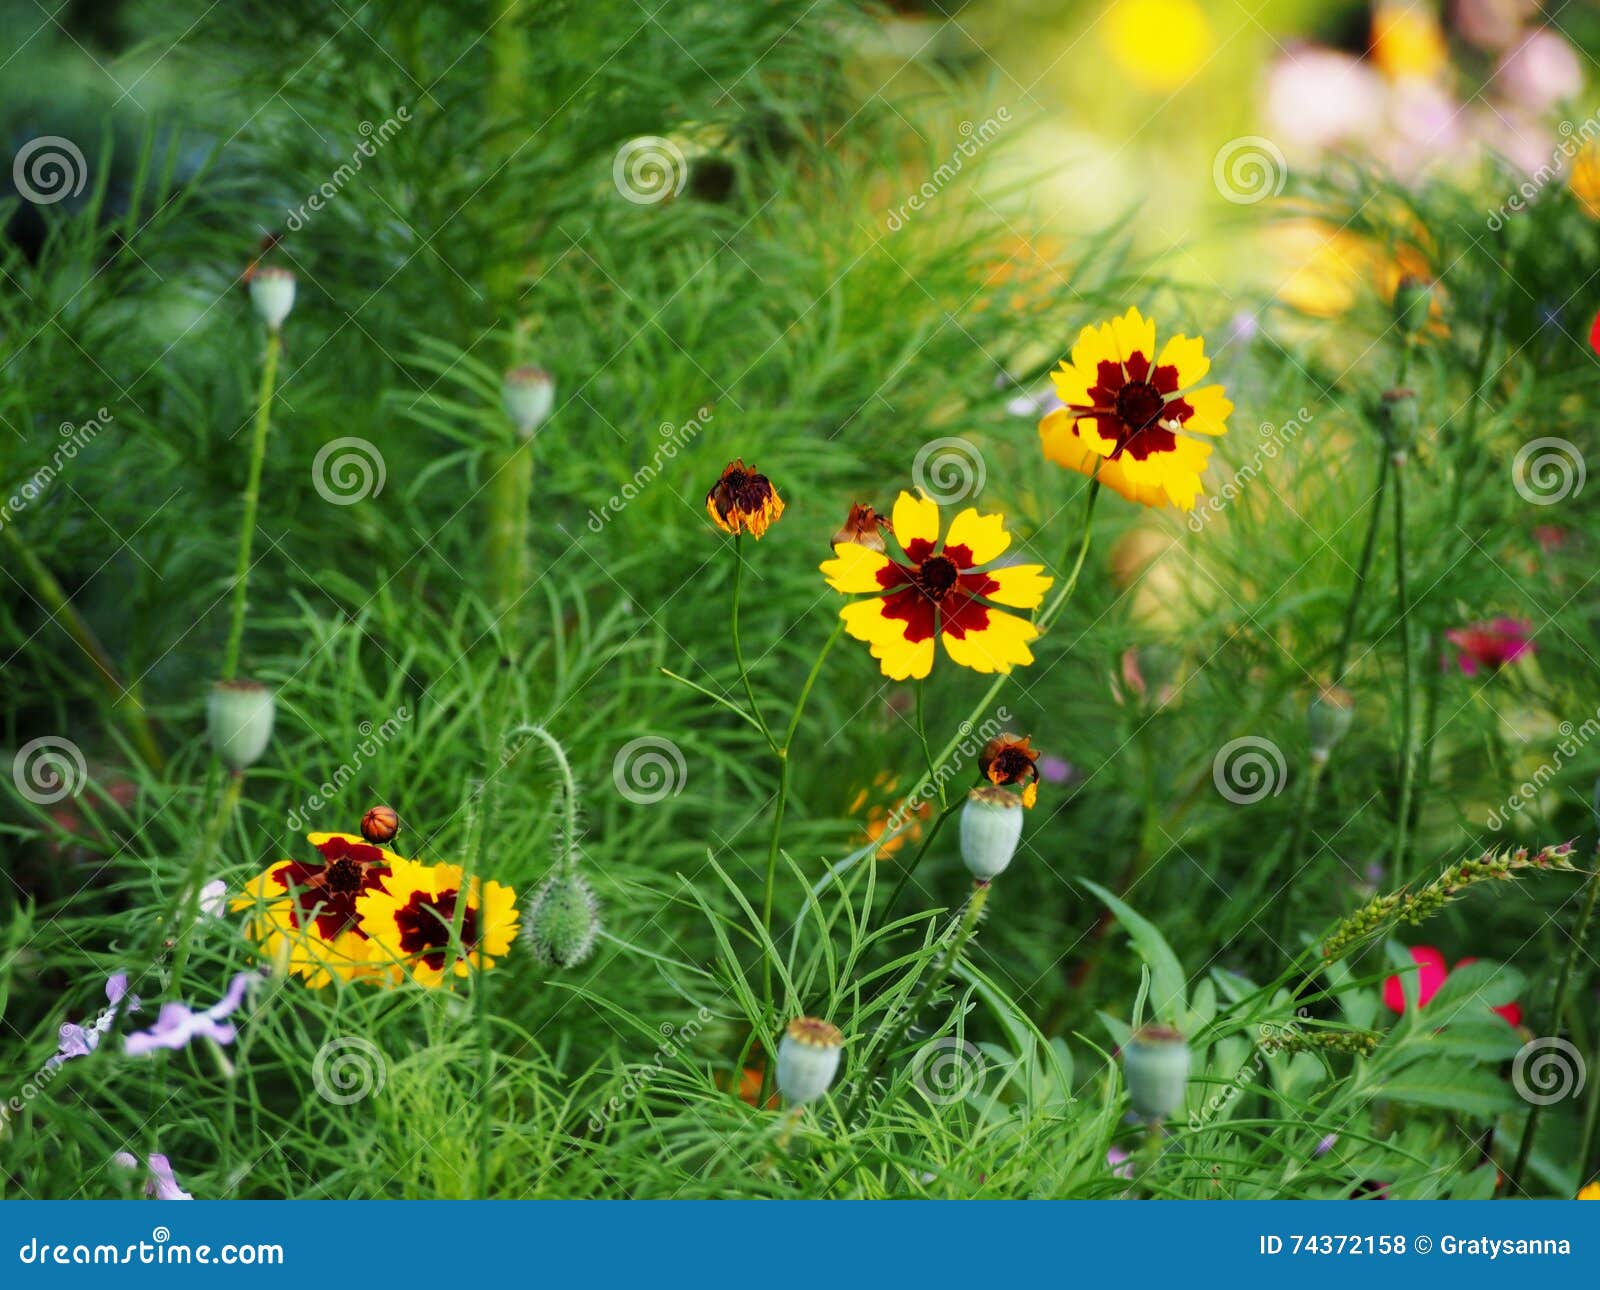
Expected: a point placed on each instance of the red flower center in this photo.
(425, 921)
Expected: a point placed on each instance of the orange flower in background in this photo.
(938, 590)
(889, 810)
(1583, 179)
(1407, 41)
(1009, 760)
(743, 501)
(1591, 1192)
(1131, 412)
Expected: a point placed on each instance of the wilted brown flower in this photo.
(743, 501)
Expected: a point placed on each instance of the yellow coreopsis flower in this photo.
(938, 590)
(1131, 413)
(411, 913)
(1583, 180)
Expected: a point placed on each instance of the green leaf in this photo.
(1167, 980)
(1444, 1082)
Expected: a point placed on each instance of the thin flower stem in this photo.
(186, 909)
(252, 501)
(927, 753)
(1341, 654)
(738, 648)
(1588, 1166)
(964, 929)
(1558, 1007)
(911, 868)
(1407, 701)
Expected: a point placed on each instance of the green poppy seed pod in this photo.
(272, 294)
(1397, 419)
(1155, 1066)
(1413, 299)
(527, 394)
(239, 715)
(1328, 719)
(808, 1059)
(563, 922)
(991, 827)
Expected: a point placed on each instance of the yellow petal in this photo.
(855, 568)
(1134, 334)
(903, 660)
(913, 518)
(983, 535)
(1211, 408)
(1094, 345)
(1000, 646)
(1022, 586)
(1188, 355)
(1072, 384)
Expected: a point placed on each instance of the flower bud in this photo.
(380, 825)
(1413, 299)
(1397, 419)
(1155, 1067)
(239, 715)
(272, 294)
(1328, 718)
(808, 1059)
(527, 394)
(991, 827)
(563, 922)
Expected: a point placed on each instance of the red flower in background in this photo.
(1491, 645)
(1431, 974)
(1594, 334)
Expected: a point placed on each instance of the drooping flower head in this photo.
(411, 912)
(743, 500)
(1130, 412)
(1006, 759)
(1490, 646)
(863, 526)
(304, 914)
(938, 590)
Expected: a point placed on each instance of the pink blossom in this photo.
(1317, 97)
(1491, 645)
(1540, 72)
(177, 1023)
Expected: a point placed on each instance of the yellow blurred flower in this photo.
(1159, 44)
(1584, 179)
(1407, 41)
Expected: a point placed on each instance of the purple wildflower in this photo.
(80, 1041)
(177, 1023)
(162, 1184)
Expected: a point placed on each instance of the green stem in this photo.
(1341, 655)
(125, 701)
(927, 753)
(1302, 819)
(510, 498)
(1407, 724)
(186, 909)
(252, 502)
(911, 868)
(738, 648)
(1558, 1009)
